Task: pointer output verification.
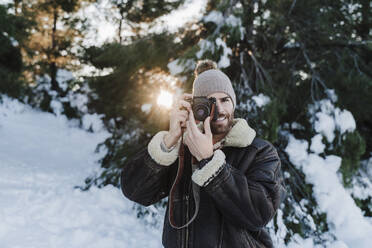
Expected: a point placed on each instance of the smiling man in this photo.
(228, 192)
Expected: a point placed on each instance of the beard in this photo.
(222, 128)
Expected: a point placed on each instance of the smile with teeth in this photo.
(221, 118)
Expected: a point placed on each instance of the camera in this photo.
(203, 106)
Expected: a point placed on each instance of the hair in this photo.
(204, 65)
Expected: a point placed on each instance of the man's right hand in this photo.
(178, 117)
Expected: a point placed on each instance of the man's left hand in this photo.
(200, 144)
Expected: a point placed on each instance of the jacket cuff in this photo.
(156, 153)
(205, 175)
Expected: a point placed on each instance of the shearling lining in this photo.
(161, 157)
(204, 175)
(240, 135)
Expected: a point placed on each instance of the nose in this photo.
(219, 106)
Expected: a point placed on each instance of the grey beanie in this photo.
(212, 81)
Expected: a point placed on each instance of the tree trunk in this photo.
(53, 65)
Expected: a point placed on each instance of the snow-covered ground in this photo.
(42, 158)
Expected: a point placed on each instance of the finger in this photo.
(184, 104)
(188, 127)
(183, 123)
(207, 126)
(193, 126)
(187, 142)
(188, 132)
(186, 96)
(184, 113)
(182, 116)
(186, 139)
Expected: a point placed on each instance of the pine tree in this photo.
(295, 53)
(13, 32)
(53, 45)
(286, 59)
(139, 69)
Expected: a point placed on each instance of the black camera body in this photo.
(203, 106)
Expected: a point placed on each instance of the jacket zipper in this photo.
(221, 234)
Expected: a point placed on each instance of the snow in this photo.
(330, 118)
(362, 183)
(296, 125)
(261, 100)
(266, 14)
(331, 95)
(316, 144)
(93, 122)
(14, 42)
(42, 158)
(348, 224)
(57, 107)
(146, 107)
(189, 11)
(325, 125)
(205, 45)
(233, 21)
(63, 77)
(344, 121)
(176, 66)
(224, 59)
(214, 16)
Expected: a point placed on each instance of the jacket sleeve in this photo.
(248, 200)
(145, 178)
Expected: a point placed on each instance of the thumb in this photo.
(207, 126)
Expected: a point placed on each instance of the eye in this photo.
(225, 99)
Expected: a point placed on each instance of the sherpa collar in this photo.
(240, 135)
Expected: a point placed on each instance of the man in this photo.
(237, 174)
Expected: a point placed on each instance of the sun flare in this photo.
(165, 99)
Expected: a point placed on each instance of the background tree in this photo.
(14, 30)
(52, 47)
(285, 59)
(294, 53)
(294, 65)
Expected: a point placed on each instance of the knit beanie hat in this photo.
(210, 80)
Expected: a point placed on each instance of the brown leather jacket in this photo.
(240, 190)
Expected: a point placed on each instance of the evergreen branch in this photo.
(315, 78)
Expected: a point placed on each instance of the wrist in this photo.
(169, 140)
(206, 156)
(204, 161)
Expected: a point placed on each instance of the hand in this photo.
(178, 117)
(200, 144)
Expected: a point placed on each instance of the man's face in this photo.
(225, 118)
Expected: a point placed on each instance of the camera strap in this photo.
(195, 191)
(195, 187)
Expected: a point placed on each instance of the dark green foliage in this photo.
(13, 31)
(146, 11)
(121, 93)
(293, 55)
(351, 149)
(365, 205)
(289, 51)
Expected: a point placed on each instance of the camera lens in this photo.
(201, 113)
